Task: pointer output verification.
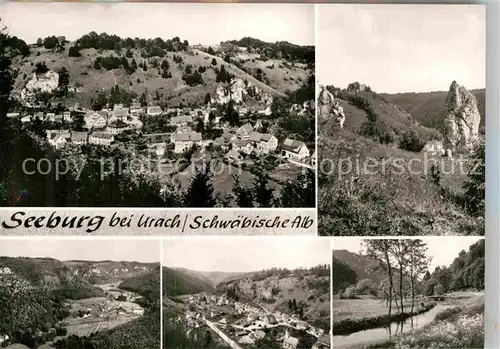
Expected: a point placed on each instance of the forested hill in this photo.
(349, 268)
(179, 282)
(467, 271)
(171, 70)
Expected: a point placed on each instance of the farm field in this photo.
(84, 329)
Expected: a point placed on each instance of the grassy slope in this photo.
(317, 306)
(428, 107)
(280, 77)
(175, 91)
(383, 202)
(356, 116)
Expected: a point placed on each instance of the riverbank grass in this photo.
(458, 327)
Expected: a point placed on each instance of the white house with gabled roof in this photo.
(57, 140)
(95, 120)
(185, 140)
(244, 131)
(294, 150)
(264, 142)
(154, 110)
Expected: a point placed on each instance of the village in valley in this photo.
(101, 127)
(269, 308)
(233, 121)
(48, 303)
(247, 324)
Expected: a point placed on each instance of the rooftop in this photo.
(154, 109)
(78, 136)
(292, 145)
(187, 136)
(103, 135)
(245, 128)
(292, 341)
(182, 118)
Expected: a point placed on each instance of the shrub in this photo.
(41, 68)
(448, 313)
(366, 286)
(412, 141)
(350, 293)
(193, 79)
(74, 52)
(474, 195)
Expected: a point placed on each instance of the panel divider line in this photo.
(161, 293)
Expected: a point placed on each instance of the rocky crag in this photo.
(302, 109)
(461, 125)
(325, 101)
(238, 90)
(356, 87)
(328, 106)
(47, 82)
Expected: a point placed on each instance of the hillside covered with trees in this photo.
(179, 283)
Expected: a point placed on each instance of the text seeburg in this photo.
(196, 222)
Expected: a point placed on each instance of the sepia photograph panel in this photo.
(76, 294)
(157, 105)
(253, 293)
(401, 117)
(408, 293)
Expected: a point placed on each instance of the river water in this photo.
(383, 333)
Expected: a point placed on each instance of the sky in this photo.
(443, 250)
(146, 251)
(401, 48)
(245, 254)
(198, 23)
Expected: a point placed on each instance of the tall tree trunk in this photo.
(401, 287)
(412, 284)
(391, 286)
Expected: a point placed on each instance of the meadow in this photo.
(356, 309)
(459, 326)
